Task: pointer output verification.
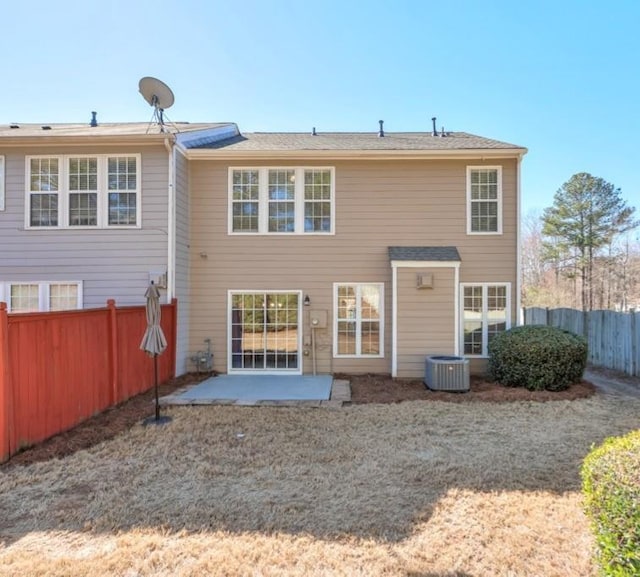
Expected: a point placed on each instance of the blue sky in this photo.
(561, 78)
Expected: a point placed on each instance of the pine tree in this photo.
(587, 214)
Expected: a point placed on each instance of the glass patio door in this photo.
(264, 331)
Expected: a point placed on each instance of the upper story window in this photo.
(27, 297)
(281, 200)
(97, 191)
(484, 200)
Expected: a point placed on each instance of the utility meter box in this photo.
(158, 278)
(318, 319)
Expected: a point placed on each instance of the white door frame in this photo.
(267, 371)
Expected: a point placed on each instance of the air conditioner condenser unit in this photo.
(446, 373)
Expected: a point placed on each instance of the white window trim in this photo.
(63, 192)
(485, 339)
(2, 187)
(499, 200)
(335, 321)
(43, 292)
(230, 369)
(263, 201)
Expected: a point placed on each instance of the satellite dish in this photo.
(158, 95)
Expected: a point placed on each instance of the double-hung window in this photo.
(282, 200)
(289, 200)
(83, 191)
(358, 314)
(43, 187)
(26, 297)
(485, 313)
(484, 200)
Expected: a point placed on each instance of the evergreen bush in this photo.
(537, 357)
(611, 488)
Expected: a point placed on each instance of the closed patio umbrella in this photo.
(154, 342)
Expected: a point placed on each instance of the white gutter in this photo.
(83, 141)
(476, 154)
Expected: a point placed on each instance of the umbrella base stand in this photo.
(157, 419)
(163, 420)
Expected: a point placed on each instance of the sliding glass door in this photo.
(264, 331)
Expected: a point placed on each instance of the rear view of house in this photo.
(351, 252)
(290, 253)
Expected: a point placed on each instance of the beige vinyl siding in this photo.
(112, 263)
(426, 322)
(182, 263)
(378, 204)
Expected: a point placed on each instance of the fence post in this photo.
(112, 322)
(634, 369)
(586, 325)
(6, 393)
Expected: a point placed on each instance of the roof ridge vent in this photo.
(46, 127)
(14, 126)
(381, 132)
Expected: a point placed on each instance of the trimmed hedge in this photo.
(537, 357)
(611, 487)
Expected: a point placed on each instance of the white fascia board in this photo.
(475, 154)
(425, 264)
(185, 140)
(84, 141)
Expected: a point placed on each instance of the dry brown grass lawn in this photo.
(416, 489)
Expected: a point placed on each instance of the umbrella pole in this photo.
(155, 374)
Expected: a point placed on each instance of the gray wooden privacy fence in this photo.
(614, 338)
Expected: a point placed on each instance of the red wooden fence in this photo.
(58, 369)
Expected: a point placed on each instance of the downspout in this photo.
(519, 319)
(169, 144)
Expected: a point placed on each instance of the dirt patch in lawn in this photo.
(365, 389)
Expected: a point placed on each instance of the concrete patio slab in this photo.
(264, 390)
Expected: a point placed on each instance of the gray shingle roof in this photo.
(426, 253)
(103, 129)
(284, 141)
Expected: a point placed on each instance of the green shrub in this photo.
(611, 487)
(537, 357)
